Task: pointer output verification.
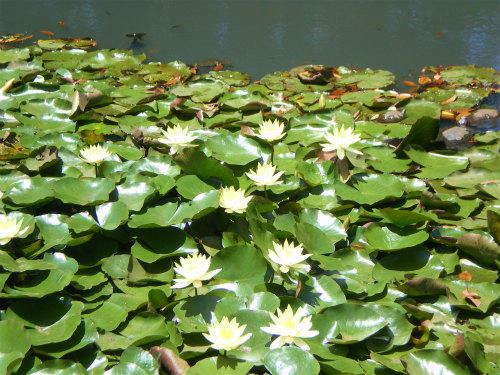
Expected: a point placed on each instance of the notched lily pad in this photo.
(366, 79)
(67, 43)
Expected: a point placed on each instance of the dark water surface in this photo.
(263, 36)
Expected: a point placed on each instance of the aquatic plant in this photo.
(389, 256)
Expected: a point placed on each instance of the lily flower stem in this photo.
(195, 292)
(265, 192)
(96, 170)
(271, 279)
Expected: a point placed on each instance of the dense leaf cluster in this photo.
(404, 243)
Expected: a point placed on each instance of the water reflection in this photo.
(260, 36)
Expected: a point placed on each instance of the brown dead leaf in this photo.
(246, 130)
(218, 67)
(465, 275)
(324, 156)
(357, 115)
(458, 347)
(156, 90)
(175, 103)
(449, 100)
(173, 80)
(423, 80)
(410, 83)
(174, 364)
(61, 23)
(472, 297)
(46, 32)
(199, 114)
(297, 291)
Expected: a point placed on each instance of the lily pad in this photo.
(368, 78)
(292, 361)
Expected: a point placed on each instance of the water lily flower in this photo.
(226, 335)
(176, 137)
(271, 130)
(10, 228)
(290, 328)
(264, 175)
(233, 200)
(193, 270)
(341, 140)
(94, 154)
(289, 256)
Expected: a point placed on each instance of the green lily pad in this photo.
(368, 78)
(79, 43)
(135, 361)
(83, 192)
(144, 328)
(31, 191)
(59, 367)
(436, 165)
(401, 265)
(47, 282)
(369, 189)
(464, 75)
(248, 276)
(432, 361)
(393, 238)
(292, 361)
(220, 365)
(52, 318)
(84, 335)
(165, 72)
(12, 351)
(111, 215)
(355, 322)
(236, 149)
(204, 91)
(229, 77)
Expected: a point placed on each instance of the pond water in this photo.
(262, 36)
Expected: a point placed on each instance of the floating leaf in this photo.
(220, 365)
(394, 238)
(12, 351)
(292, 361)
(83, 192)
(430, 362)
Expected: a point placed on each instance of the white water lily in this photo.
(95, 154)
(10, 228)
(341, 140)
(226, 335)
(271, 130)
(290, 328)
(233, 200)
(264, 175)
(289, 256)
(193, 270)
(176, 137)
